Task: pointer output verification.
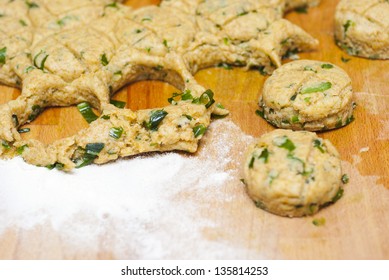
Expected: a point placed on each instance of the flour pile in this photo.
(144, 207)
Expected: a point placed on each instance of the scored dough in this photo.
(362, 28)
(308, 95)
(62, 53)
(292, 173)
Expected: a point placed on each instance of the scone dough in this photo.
(362, 28)
(308, 95)
(292, 173)
(62, 53)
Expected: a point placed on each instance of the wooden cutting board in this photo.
(357, 227)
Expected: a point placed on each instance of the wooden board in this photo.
(357, 228)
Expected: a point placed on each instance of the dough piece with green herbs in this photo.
(80, 52)
(308, 95)
(293, 173)
(362, 28)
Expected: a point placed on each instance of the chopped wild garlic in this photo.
(199, 130)
(319, 222)
(319, 88)
(284, 142)
(3, 54)
(86, 111)
(117, 103)
(345, 179)
(116, 132)
(156, 118)
(91, 152)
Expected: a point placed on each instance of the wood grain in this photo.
(356, 229)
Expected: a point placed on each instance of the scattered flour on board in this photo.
(145, 207)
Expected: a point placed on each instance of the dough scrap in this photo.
(308, 95)
(62, 53)
(292, 173)
(362, 28)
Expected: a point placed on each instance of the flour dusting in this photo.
(137, 206)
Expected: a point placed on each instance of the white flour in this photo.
(144, 207)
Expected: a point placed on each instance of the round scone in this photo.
(293, 173)
(362, 28)
(308, 95)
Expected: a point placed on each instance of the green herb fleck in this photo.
(187, 95)
(302, 9)
(146, 19)
(338, 195)
(318, 143)
(104, 60)
(86, 111)
(350, 119)
(91, 152)
(5, 145)
(56, 165)
(24, 130)
(31, 5)
(188, 117)
(251, 163)
(338, 123)
(283, 42)
(284, 142)
(260, 205)
(158, 68)
(3, 54)
(260, 113)
(105, 117)
(15, 120)
(345, 60)
(345, 179)
(116, 132)
(207, 98)
(118, 104)
(220, 106)
(40, 64)
(165, 43)
(295, 119)
(293, 98)
(327, 66)
(224, 65)
(28, 69)
(36, 110)
(22, 22)
(156, 118)
(199, 130)
(347, 25)
(112, 5)
(313, 208)
(309, 68)
(20, 150)
(319, 88)
(319, 222)
(242, 13)
(264, 156)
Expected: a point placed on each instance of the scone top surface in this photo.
(308, 94)
(292, 173)
(362, 28)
